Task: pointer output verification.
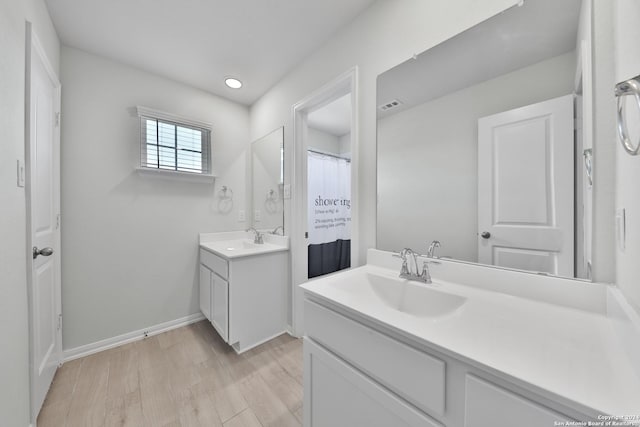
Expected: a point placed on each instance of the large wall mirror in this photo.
(482, 144)
(267, 169)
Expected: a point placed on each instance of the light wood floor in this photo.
(184, 377)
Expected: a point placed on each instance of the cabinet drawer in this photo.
(215, 263)
(487, 404)
(417, 377)
(337, 395)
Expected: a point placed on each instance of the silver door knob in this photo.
(485, 234)
(43, 252)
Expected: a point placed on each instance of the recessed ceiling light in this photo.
(233, 83)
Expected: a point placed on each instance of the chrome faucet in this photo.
(405, 270)
(275, 230)
(432, 249)
(258, 237)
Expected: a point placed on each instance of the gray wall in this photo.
(427, 158)
(344, 142)
(130, 242)
(323, 141)
(14, 326)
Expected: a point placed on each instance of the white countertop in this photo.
(570, 355)
(236, 244)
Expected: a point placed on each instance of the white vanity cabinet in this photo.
(244, 298)
(358, 373)
(214, 292)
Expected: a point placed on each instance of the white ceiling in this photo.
(200, 42)
(512, 40)
(334, 118)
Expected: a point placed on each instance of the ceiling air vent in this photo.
(394, 103)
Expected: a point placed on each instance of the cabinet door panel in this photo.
(417, 377)
(220, 306)
(205, 291)
(489, 405)
(338, 395)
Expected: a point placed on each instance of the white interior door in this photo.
(43, 198)
(526, 188)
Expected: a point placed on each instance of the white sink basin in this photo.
(413, 297)
(240, 244)
(367, 288)
(235, 245)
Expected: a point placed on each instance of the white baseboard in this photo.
(106, 344)
(290, 331)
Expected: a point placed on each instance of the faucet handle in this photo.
(405, 269)
(432, 248)
(425, 276)
(258, 236)
(275, 230)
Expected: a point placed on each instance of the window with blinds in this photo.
(170, 145)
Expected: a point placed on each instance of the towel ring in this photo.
(628, 87)
(272, 195)
(226, 193)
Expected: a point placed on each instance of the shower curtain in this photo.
(329, 214)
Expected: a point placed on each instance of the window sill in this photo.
(176, 175)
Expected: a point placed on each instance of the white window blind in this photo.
(169, 144)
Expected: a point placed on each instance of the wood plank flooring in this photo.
(183, 377)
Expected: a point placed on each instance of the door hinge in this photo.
(57, 221)
(306, 234)
(57, 119)
(59, 321)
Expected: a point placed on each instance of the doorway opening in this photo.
(324, 222)
(329, 188)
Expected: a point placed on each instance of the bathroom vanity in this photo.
(494, 348)
(243, 286)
